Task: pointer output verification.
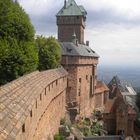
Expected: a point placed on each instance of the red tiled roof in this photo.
(101, 87)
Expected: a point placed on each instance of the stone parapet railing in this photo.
(18, 97)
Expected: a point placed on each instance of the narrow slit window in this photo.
(36, 104)
(45, 91)
(23, 128)
(31, 113)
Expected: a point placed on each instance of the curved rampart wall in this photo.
(31, 107)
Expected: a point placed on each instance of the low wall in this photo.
(103, 138)
(31, 107)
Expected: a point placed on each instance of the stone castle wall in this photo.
(77, 60)
(81, 83)
(31, 107)
(68, 25)
(85, 89)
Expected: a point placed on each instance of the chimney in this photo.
(87, 43)
(74, 39)
(65, 4)
(76, 42)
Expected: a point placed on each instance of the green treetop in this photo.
(18, 53)
(49, 52)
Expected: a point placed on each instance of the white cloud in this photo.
(113, 26)
(119, 46)
(40, 7)
(129, 7)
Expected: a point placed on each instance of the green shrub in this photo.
(62, 121)
(86, 121)
(59, 137)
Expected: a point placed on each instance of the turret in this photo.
(71, 18)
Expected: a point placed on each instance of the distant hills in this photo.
(129, 74)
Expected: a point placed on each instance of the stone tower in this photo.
(71, 18)
(78, 59)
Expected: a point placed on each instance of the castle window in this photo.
(23, 128)
(45, 91)
(67, 83)
(56, 82)
(91, 82)
(80, 80)
(69, 50)
(88, 50)
(49, 87)
(79, 93)
(86, 77)
(40, 97)
(31, 113)
(36, 104)
(93, 51)
(77, 17)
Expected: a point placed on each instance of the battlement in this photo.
(25, 102)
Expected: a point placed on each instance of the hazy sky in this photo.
(113, 26)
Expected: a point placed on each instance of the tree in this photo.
(49, 52)
(18, 53)
(14, 22)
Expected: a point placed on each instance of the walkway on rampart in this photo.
(18, 97)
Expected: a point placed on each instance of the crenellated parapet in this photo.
(31, 107)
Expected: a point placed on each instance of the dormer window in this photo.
(69, 49)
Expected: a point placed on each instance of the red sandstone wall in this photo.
(99, 100)
(35, 105)
(84, 98)
(72, 60)
(80, 88)
(68, 25)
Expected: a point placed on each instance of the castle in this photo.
(120, 109)
(33, 105)
(80, 61)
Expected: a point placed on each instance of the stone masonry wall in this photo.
(81, 82)
(67, 25)
(31, 107)
(84, 98)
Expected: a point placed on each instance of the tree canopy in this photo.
(18, 53)
(49, 52)
(14, 22)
